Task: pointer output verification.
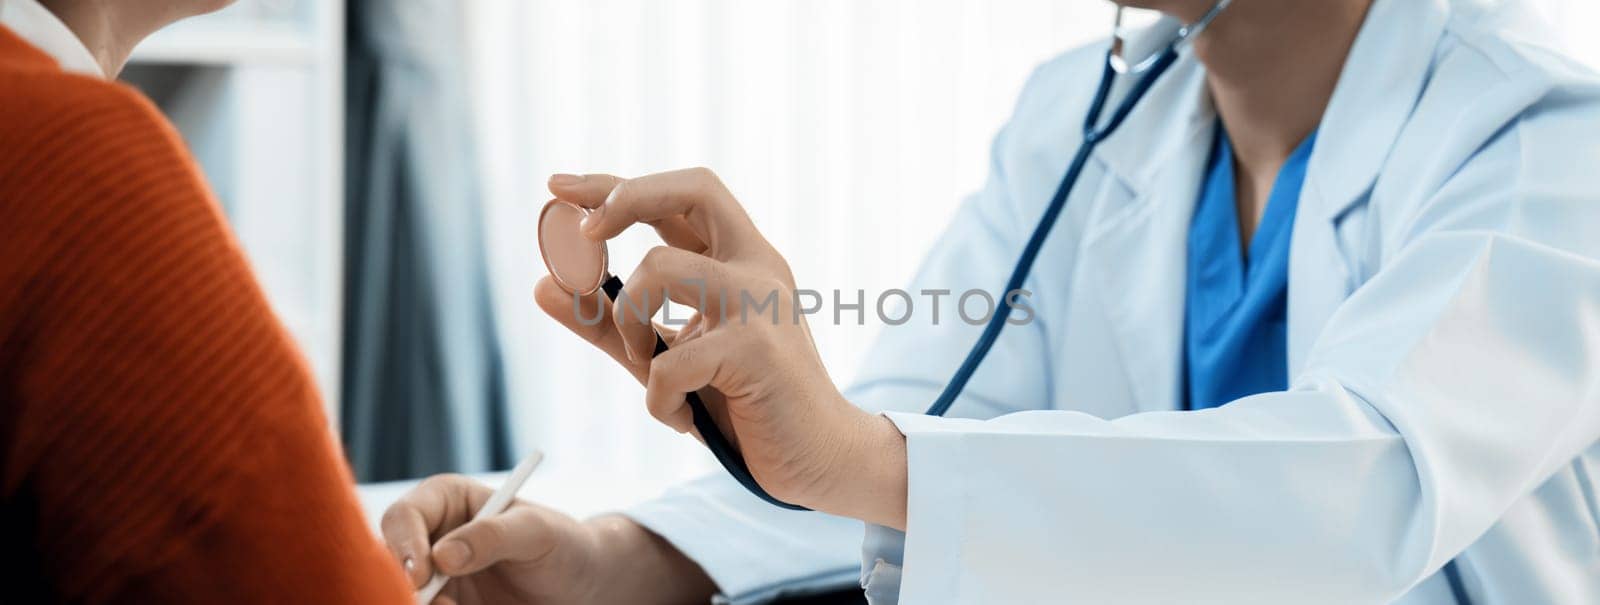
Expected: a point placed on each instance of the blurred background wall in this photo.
(849, 128)
(421, 389)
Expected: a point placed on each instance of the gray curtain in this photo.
(422, 390)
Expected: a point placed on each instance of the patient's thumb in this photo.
(482, 543)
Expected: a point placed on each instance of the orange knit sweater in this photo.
(160, 438)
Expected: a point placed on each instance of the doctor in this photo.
(1320, 323)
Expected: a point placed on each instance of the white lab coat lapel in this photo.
(1377, 92)
(1136, 251)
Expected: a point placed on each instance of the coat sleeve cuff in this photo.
(882, 558)
(753, 551)
(935, 509)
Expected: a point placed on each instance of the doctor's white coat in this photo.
(1444, 355)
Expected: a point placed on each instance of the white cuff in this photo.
(936, 469)
(882, 558)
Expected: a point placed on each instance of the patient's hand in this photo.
(532, 554)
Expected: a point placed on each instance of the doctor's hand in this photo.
(531, 554)
(747, 351)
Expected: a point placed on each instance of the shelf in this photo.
(237, 45)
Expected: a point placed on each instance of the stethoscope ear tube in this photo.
(720, 447)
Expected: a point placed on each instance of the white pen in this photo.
(496, 504)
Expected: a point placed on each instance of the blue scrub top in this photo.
(1235, 339)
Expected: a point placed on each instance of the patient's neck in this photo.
(111, 28)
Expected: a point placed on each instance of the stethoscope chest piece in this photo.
(575, 262)
(578, 265)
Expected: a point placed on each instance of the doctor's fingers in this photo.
(590, 318)
(591, 190)
(694, 194)
(587, 190)
(436, 505)
(698, 282)
(686, 368)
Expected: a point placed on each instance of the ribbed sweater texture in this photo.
(161, 439)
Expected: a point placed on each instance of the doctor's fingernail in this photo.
(565, 179)
(410, 564)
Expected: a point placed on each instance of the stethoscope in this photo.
(561, 218)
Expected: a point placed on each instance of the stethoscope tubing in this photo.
(1093, 134)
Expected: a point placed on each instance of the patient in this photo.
(161, 440)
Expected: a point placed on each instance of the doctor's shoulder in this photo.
(1060, 88)
(1045, 125)
(1505, 131)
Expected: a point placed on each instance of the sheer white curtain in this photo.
(849, 128)
(1578, 22)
